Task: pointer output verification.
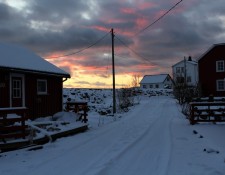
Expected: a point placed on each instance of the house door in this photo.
(16, 91)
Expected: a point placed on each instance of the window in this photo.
(189, 79)
(178, 70)
(156, 86)
(180, 79)
(42, 87)
(151, 86)
(220, 66)
(16, 88)
(182, 69)
(220, 85)
(144, 86)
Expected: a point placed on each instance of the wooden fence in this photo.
(80, 108)
(206, 112)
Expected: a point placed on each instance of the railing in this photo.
(78, 107)
(206, 112)
(12, 126)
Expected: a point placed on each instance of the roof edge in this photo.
(207, 51)
(35, 71)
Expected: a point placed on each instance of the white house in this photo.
(156, 81)
(186, 71)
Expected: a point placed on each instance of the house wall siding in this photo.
(191, 70)
(4, 89)
(208, 74)
(46, 104)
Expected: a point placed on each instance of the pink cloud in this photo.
(146, 5)
(101, 28)
(128, 10)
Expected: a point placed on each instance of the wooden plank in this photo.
(206, 115)
(13, 128)
(14, 135)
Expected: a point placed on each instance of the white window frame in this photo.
(39, 91)
(217, 85)
(220, 68)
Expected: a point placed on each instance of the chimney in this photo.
(189, 58)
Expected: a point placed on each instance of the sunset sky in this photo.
(81, 29)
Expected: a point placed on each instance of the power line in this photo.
(146, 29)
(81, 50)
(158, 19)
(133, 50)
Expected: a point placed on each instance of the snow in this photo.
(154, 78)
(13, 56)
(153, 137)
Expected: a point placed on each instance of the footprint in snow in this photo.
(211, 150)
(195, 132)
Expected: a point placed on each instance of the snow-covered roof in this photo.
(154, 78)
(19, 58)
(187, 61)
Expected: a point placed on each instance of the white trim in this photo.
(217, 81)
(217, 66)
(23, 88)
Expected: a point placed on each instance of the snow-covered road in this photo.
(154, 138)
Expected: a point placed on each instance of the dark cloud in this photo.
(63, 27)
(13, 26)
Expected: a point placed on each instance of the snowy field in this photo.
(152, 138)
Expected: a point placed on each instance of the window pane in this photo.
(220, 66)
(182, 69)
(220, 85)
(16, 89)
(188, 79)
(42, 86)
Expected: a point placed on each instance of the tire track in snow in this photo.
(134, 150)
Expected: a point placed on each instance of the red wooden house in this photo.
(212, 71)
(29, 82)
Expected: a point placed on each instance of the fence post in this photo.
(192, 114)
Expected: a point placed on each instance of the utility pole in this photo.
(113, 73)
(185, 73)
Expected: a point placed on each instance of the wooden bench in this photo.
(8, 129)
(79, 108)
(206, 112)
